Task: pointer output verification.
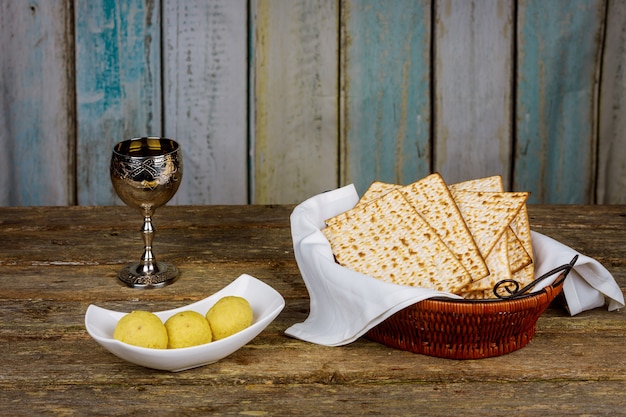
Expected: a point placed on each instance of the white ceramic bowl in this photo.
(266, 304)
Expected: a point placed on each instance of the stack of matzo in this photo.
(462, 238)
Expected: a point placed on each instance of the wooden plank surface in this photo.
(559, 45)
(118, 79)
(58, 260)
(385, 92)
(205, 97)
(276, 100)
(294, 99)
(36, 103)
(472, 89)
(611, 187)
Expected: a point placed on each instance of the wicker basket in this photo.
(468, 329)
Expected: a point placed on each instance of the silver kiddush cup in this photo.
(146, 173)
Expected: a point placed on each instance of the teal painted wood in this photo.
(36, 103)
(118, 84)
(563, 122)
(559, 45)
(611, 187)
(385, 91)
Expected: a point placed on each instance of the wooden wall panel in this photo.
(473, 88)
(295, 99)
(274, 101)
(612, 134)
(385, 91)
(559, 44)
(36, 103)
(205, 88)
(117, 85)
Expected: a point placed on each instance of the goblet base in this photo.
(163, 274)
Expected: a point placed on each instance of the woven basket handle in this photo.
(512, 287)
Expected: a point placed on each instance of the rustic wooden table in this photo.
(55, 261)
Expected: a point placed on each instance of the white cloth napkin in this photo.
(589, 284)
(345, 304)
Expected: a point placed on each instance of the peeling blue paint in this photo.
(387, 76)
(118, 85)
(559, 50)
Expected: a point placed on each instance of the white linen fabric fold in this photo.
(345, 304)
(589, 284)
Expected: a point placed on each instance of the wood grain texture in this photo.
(385, 91)
(473, 89)
(117, 86)
(274, 101)
(205, 93)
(611, 188)
(36, 103)
(62, 259)
(295, 99)
(559, 45)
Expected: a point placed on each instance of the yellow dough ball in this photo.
(187, 328)
(228, 316)
(141, 328)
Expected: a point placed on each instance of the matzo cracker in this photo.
(376, 190)
(520, 252)
(519, 255)
(432, 199)
(387, 239)
(488, 214)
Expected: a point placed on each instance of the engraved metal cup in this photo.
(146, 173)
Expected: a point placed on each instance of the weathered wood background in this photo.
(274, 101)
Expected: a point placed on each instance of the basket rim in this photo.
(519, 294)
(490, 300)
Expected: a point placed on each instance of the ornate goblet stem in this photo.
(147, 259)
(146, 173)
